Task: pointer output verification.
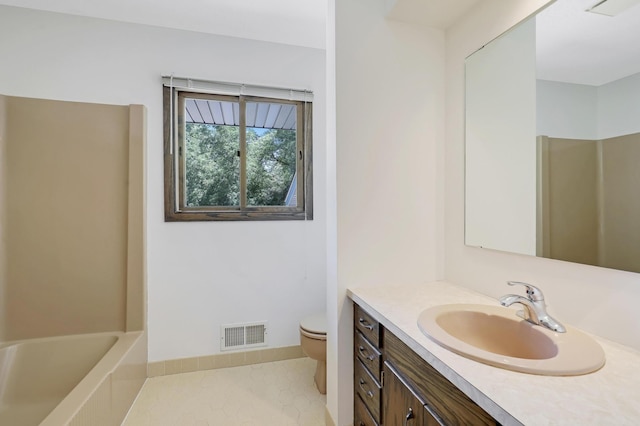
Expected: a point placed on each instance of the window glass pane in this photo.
(212, 168)
(271, 154)
(235, 158)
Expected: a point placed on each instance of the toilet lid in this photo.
(316, 324)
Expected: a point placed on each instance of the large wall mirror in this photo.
(552, 137)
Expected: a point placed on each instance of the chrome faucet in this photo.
(535, 310)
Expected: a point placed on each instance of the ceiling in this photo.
(295, 22)
(432, 13)
(581, 47)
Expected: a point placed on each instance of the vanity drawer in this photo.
(368, 354)
(365, 323)
(362, 416)
(368, 389)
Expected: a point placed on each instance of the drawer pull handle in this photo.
(367, 392)
(409, 416)
(365, 324)
(363, 352)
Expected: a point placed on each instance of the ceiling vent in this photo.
(612, 7)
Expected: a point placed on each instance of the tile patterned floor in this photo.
(280, 393)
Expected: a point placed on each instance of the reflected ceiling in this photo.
(576, 46)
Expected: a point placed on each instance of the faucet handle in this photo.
(533, 292)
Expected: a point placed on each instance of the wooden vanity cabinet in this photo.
(394, 386)
(367, 371)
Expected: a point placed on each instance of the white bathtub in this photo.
(70, 380)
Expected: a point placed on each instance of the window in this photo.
(236, 157)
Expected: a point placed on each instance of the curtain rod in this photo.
(240, 88)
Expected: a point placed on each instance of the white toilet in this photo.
(313, 339)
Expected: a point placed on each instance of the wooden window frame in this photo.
(174, 164)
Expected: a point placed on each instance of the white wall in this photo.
(500, 147)
(599, 300)
(389, 118)
(338, 321)
(200, 275)
(619, 107)
(566, 110)
(578, 111)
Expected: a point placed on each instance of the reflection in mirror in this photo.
(552, 149)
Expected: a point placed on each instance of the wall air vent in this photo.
(242, 336)
(612, 7)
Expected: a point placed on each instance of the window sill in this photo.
(229, 216)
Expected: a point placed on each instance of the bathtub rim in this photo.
(9, 343)
(82, 392)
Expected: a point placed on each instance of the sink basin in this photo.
(494, 335)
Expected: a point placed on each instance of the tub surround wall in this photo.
(3, 215)
(75, 248)
(620, 202)
(607, 297)
(136, 302)
(568, 199)
(66, 216)
(590, 197)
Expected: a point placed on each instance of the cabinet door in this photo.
(447, 402)
(401, 406)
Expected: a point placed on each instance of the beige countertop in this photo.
(609, 396)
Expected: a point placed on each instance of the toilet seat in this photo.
(314, 327)
(314, 336)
